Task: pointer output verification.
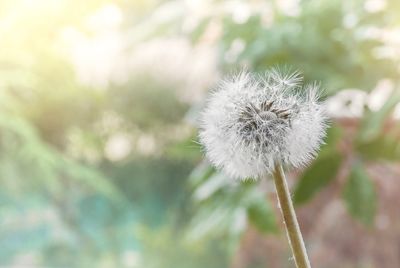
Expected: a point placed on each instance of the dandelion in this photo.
(253, 125)
(252, 122)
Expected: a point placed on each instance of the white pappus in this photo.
(251, 121)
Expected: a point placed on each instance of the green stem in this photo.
(292, 226)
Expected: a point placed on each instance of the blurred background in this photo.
(99, 160)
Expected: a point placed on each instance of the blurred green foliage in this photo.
(359, 195)
(67, 201)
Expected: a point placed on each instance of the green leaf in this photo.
(262, 216)
(385, 147)
(317, 176)
(201, 173)
(373, 122)
(359, 195)
(333, 135)
(210, 186)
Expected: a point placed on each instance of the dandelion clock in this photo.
(255, 125)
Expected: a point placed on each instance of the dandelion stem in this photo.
(292, 226)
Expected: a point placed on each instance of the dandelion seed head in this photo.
(250, 122)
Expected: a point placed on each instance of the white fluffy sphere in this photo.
(250, 122)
